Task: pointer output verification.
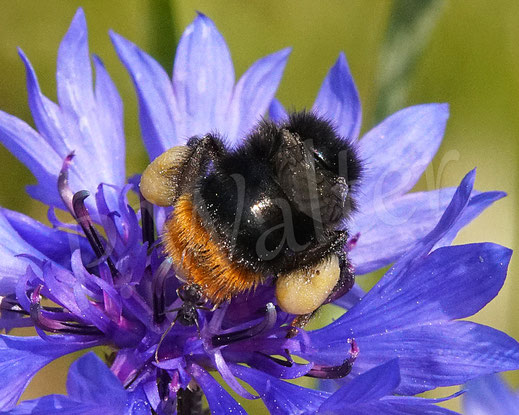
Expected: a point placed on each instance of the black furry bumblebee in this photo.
(273, 208)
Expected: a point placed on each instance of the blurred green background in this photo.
(401, 53)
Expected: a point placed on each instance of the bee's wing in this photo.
(313, 190)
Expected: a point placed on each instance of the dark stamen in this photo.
(189, 402)
(336, 372)
(64, 190)
(56, 325)
(148, 227)
(83, 218)
(11, 305)
(159, 292)
(265, 325)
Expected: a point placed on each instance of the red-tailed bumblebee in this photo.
(271, 209)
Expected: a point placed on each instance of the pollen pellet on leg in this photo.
(159, 180)
(303, 291)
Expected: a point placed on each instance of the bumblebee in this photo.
(272, 209)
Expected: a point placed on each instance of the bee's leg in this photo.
(346, 280)
(298, 323)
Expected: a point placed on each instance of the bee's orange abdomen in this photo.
(201, 259)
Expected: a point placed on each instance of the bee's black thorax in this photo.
(279, 201)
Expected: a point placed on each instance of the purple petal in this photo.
(277, 112)
(447, 222)
(228, 376)
(33, 151)
(203, 79)
(56, 405)
(220, 402)
(46, 114)
(20, 359)
(12, 235)
(370, 386)
(110, 117)
(156, 98)
(440, 354)
(253, 94)
(74, 74)
(280, 397)
(338, 100)
(90, 380)
(471, 275)
(45, 242)
(92, 129)
(490, 395)
(477, 204)
(396, 225)
(411, 137)
(452, 282)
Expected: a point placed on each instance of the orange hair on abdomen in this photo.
(201, 259)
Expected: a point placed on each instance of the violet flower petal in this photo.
(53, 244)
(203, 79)
(252, 95)
(80, 123)
(277, 112)
(156, 98)
(220, 402)
(397, 151)
(90, 380)
(441, 354)
(370, 386)
(20, 359)
(338, 100)
(407, 219)
(371, 393)
(280, 397)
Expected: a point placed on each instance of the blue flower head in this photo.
(106, 282)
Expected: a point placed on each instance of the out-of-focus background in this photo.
(400, 53)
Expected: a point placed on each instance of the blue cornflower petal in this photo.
(20, 359)
(156, 99)
(90, 380)
(203, 78)
(280, 397)
(371, 393)
(441, 354)
(36, 153)
(253, 93)
(202, 96)
(220, 402)
(74, 74)
(408, 219)
(56, 405)
(92, 389)
(20, 234)
(489, 395)
(277, 112)
(80, 124)
(52, 243)
(338, 100)
(397, 151)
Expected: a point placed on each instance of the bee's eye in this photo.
(321, 161)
